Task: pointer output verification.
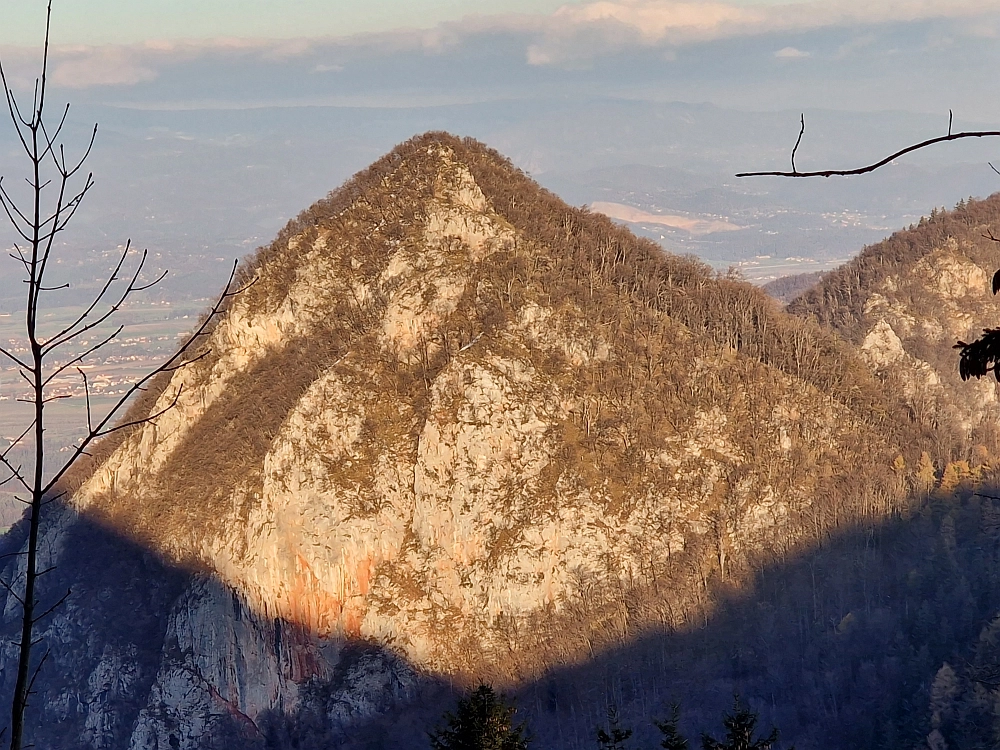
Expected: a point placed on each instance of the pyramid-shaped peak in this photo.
(450, 398)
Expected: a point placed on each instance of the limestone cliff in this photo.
(906, 301)
(464, 426)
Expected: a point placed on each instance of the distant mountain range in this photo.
(200, 187)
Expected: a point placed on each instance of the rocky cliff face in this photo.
(906, 301)
(463, 428)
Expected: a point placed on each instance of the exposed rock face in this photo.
(468, 426)
(907, 300)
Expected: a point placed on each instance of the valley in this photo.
(152, 329)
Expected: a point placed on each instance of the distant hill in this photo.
(788, 288)
(906, 301)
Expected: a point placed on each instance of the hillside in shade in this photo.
(457, 430)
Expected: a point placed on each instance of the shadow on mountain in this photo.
(839, 647)
(144, 654)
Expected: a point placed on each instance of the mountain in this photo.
(906, 301)
(455, 430)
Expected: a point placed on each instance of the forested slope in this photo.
(906, 301)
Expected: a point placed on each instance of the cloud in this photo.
(654, 20)
(573, 37)
(89, 66)
(609, 26)
(790, 53)
(103, 66)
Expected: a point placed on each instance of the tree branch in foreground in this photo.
(982, 356)
(871, 167)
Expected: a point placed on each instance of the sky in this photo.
(849, 54)
(129, 21)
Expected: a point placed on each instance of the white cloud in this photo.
(606, 26)
(790, 53)
(573, 36)
(102, 66)
(654, 20)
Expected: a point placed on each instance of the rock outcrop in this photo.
(906, 301)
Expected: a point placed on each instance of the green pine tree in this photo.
(615, 740)
(740, 726)
(484, 720)
(672, 738)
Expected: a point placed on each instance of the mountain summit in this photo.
(454, 427)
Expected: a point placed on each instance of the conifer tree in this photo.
(615, 740)
(484, 720)
(740, 727)
(672, 738)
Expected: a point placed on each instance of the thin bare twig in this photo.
(10, 590)
(802, 130)
(82, 355)
(881, 163)
(86, 391)
(55, 606)
(176, 361)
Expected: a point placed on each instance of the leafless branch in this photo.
(179, 359)
(10, 205)
(54, 203)
(49, 499)
(55, 606)
(50, 399)
(68, 334)
(10, 590)
(81, 356)
(12, 358)
(14, 443)
(38, 669)
(802, 131)
(15, 472)
(111, 278)
(881, 163)
(86, 392)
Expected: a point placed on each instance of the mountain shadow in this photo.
(845, 645)
(147, 654)
(876, 638)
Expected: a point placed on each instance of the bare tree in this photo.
(56, 187)
(980, 357)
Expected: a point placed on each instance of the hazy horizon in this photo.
(214, 133)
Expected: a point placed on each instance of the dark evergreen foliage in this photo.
(740, 726)
(484, 720)
(615, 738)
(672, 738)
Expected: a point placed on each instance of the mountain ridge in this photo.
(906, 301)
(485, 431)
